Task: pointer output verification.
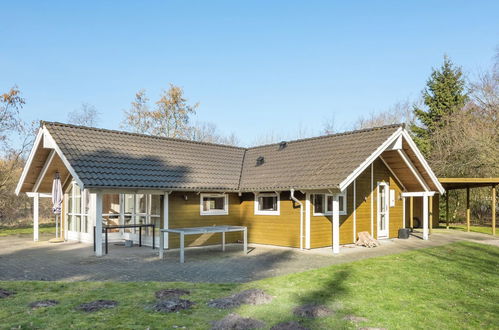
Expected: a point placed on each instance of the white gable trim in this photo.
(393, 173)
(394, 143)
(413, 169)
(345, 183)
(29, 161)
(423, 161)
(52, 142)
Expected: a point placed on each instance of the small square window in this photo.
(323, 204)
(214, 204)
(267, 204)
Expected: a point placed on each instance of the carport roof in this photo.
(462, 183)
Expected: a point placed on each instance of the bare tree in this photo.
(400, 112)
(86, 115)
(208, 132)
(169, 117)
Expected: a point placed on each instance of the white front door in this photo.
(383, 209)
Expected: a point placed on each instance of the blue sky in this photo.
(255, 66)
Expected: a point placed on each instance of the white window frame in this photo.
(326, 211)
(225, 211)
(267, 212)
(84, 210)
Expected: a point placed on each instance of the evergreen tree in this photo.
(444, 93)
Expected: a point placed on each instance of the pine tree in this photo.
(444, 93)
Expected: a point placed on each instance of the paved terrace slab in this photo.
(22, 259)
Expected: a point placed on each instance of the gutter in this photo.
(301, 216)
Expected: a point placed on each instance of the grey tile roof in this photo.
(106, 158)
(322, 162)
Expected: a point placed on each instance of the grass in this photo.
(43, 228)
(452, 286)
(476, 229)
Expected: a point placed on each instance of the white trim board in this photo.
(46, 166)
(29, 161)
(393, 173)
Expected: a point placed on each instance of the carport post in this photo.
(447, 208)
(411, 212)
(468, 215)
(36, 197)
(493, 210)
(430, 222)
(98, 224)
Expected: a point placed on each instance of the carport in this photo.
(468, 184)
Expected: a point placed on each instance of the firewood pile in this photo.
(366, 240)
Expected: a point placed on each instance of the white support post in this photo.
(354, 208)
(403, 212)
(98, 224)
(166, 220)
(336, 225)
(425, 217)
(307, 221)
(223, 241)
(245, 240)
(182, 248)
(36, 204)
(372, 200)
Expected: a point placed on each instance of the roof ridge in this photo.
(363, 130)
(43, 122)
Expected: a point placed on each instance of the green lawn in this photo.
(476, 229)
(447, 287)
(45, 228)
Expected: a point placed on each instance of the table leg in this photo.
(181, 248)
(153, 236)
(106, 240)
(245, 240)
(94, 238)
(140, 236)
(223, 241)
(161, 244)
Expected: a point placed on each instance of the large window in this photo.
(214, 204)
(78, 206)
(323, 204)
(267, 204)
(142, 209)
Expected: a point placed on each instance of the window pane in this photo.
(70, 223)
(111, 204)
(319, 203)
(86, 206)
(140, 206)
(341, 200)
(77, 222)
(213, 203)
(155, 205)
(267, 203)
(84, 224)
(128, 203)
(329, 203)
(128, 221)
(70, 201)
(77, 200)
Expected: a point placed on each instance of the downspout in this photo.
(301, 216)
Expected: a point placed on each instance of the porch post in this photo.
(493, 210)
(430, 222)
(447, 208)
(468, 215)
(166, 220)
(36, 203)
(425, 217)
(336, 225)
(98, 224)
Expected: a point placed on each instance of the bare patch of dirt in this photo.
(250, 297)
(237, 322)
(97, 305)
(288, 326)
(6, 293)
(43, 303)
(355, 319)
(172, 305)
(312, 311)
(171, 293)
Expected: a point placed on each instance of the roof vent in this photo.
(260, 160)
(282, 145)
